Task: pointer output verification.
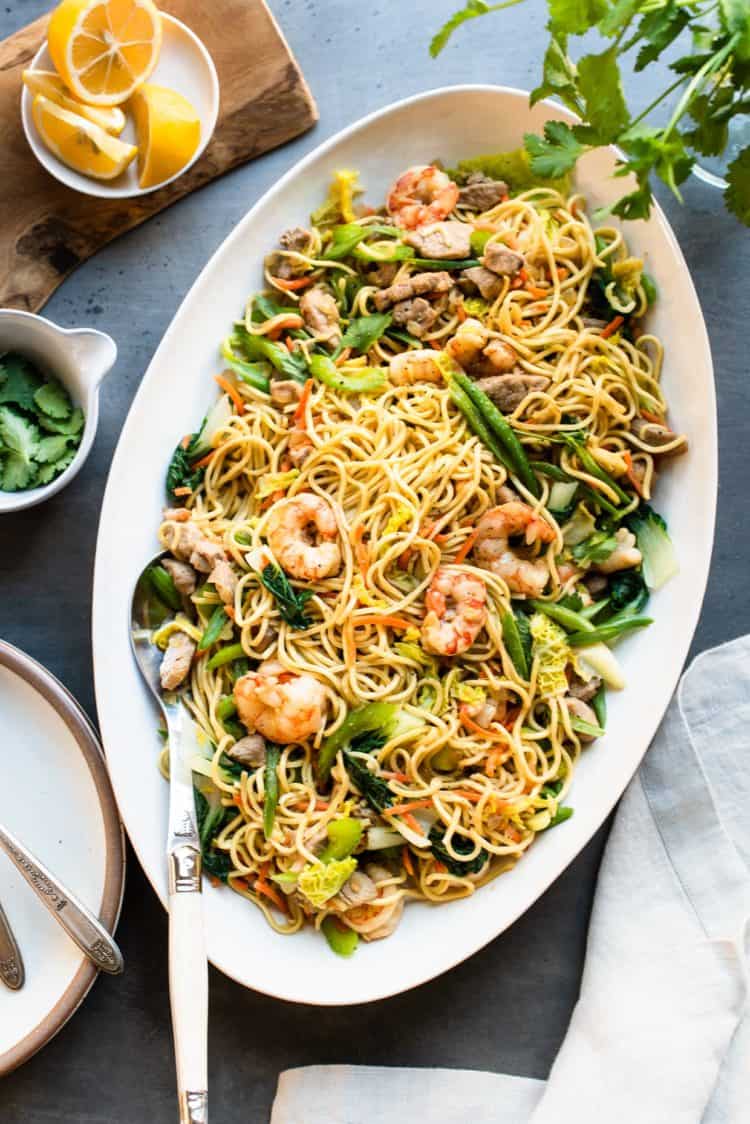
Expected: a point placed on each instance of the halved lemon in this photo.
(80, 143)
(50, 85)
(104, 49)
(168, 131)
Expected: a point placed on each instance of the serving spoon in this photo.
(188, 968)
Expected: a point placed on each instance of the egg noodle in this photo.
(481, 754)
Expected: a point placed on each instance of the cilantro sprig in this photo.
(713, 81)
(40, 430)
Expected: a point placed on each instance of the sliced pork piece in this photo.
(321, 315)
(509, 391)
(297, 239)
(417, 315)
(175, 665)
(225, 580)
(285, 391)
(441, 240)
(249, 751)
(206, 554)
(383, 274)
(484, 280)
(501, 260)
(657, 436)
(481, 192)
(416, 286)
(182, 574)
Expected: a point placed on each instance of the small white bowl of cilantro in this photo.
(49, 404)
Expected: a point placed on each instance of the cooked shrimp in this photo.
(415, 366)
(420, 195)
(625, 554)
(493, 551)
(456, 612)
(303, 534)
(468, 343)
(377, 918)
(279, 704)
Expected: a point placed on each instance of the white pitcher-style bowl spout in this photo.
(80, 358)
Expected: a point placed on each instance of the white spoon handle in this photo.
(188, 989)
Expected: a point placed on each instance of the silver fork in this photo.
(188, 968)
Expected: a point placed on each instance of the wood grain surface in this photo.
(46, 229)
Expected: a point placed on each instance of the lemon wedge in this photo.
(104, 49)
(168, 131)
(51, 85)
(79, 143)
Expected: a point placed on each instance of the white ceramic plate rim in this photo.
(60, 699)
(568, 843)
(103, 189)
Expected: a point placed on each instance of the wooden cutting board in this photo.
(47, 229)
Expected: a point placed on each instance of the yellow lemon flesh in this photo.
(168, 130)
(51, 86)
(104, 49)
(80, 143)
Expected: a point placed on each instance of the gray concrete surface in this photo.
(508, 1006)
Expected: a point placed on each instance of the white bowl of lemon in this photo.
(121, 99)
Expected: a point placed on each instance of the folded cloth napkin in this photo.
(661, 1032)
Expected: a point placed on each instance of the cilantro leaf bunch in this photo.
(711, 86)
(40, 431)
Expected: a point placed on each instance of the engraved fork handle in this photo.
(83, 928)
(11, 965)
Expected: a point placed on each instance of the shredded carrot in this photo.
(491, 735)
(242, 883)
(232, 391)
(406, 860)
(441, 868)
(237, 799)
(612, 327)
(461, 313)
(510, 718)
(214, 880)
(262, 886)
(405, 809)
(537, 293)
(514, 833)
(269, 501)
(653, 418)
(409, 820)
(630, 473)
(436, 345)
(562, 273)
(523, 276)
(395, 776)
(304, 398)
(293, 285)
(343, 357)
(389, 622)
(184, 491)
(427, 531)
(288, 344)
(186, 440)
(465, 548)
(467, 794)
(361, 550)
(574, 209)
(205, 460)
(405, 558)
(510, 240)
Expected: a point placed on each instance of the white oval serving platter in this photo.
(451, 123)
(57, 799)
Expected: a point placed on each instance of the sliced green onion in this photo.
(271, 788)
(568, 618)
(214, 628)
(341, 939)
(513, 644)
(164, 587)
(225, 655)
(608, 632)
